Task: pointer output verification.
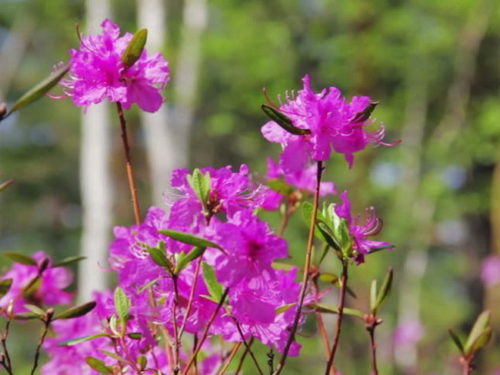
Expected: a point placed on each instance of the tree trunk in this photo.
(95, 179)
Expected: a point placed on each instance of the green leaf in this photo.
(280, 186)
(135, 47)
(215, 289)
(32, 287)
(77, 311)
(200, 183)
(5, 287)
(188, 238)
(68, 261)
(79, 340)
(147, 285)
(365, 114)
(330, 278)
(98, 365)
(384, 290)
(135, 335)
(142, 361)
(39, 90)
(480, 341)
(373, 295)
(113, 355)
(482, 322)
(158, 256)
(327, 236)
(282, 266)
(330, 309)
(35, 309)
(6, 184)
(20, 258)
(26, 316)
(284, 308)
(122, 304)
(283, 121)
(457, 341)
(184, 259)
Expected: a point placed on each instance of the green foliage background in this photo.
(438, 91)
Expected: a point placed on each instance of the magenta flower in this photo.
(50, 292)
(360, 232)
(251, 248)
(98, 73)
(490, 270)
(331, 122)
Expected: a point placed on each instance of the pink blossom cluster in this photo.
(97, 72)
(40, 284)
(230, 287)
(331, 122)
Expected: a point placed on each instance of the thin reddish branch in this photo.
(128, 164)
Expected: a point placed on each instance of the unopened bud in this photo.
(3, 110)
(42, 266)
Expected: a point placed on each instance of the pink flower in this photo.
(332, 124)
(490, 270)
(51, 292)
(360, 232)
(251, 248)
(98, 73)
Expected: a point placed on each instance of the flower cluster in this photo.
(97, 72)
(207, 266)
(330, 123)
(37, 284)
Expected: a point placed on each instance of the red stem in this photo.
(336, 338)
(191, 299)
(205, 333)
(128, 164)
(373, 347)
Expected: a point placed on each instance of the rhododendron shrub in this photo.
(203, 277)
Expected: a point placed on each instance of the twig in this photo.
(174, 321)
(229, 359)
(307, 266)
(191, 299)
(128, 162)
(205, 332)
(373, 347)
(243, 356)
(46, 321)
(336, 338)
(247, 346)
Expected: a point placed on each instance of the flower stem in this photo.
(191, 299)
(128, 164)
(174, 321)
(47, 320)
(6, 362)
(247, 346)
(373, 347)
(341, 305)
(466, 365)
(307, 266)
(243, 356)
(230, 358)
(205, 333)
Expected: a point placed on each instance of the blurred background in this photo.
(433, 65)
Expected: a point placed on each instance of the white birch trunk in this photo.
(167, 132)
(161, 150)
(95, 180)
